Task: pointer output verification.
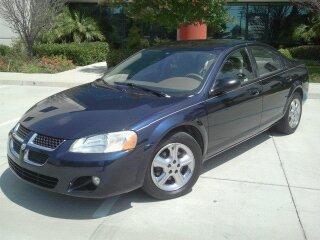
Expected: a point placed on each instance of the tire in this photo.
(162, 184)
(284, 125)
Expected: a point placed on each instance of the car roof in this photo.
(212, 44)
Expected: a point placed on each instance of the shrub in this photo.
(12, 62)
(73, 26)
(134, 39)
(4, 50)
(161, 41)
(311, 52)
(80, 53)
(286, 53)
(171, 14)
(54, 64)
(116, 56)
(3, 66)
(309, 33)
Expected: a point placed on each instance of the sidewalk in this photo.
(314, 90)
(70, 78)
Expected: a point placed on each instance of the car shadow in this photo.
(236, 151)
(67, 207)
(44, 202)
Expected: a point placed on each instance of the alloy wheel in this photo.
(294, 113)
(172, 167)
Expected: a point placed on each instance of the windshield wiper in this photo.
(102, 83)
(146, 89)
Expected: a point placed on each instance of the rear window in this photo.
(267, 60)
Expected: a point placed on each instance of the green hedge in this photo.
(285, 52)
(4, 50)
(116, 56)
(311, 52)
(80, 53)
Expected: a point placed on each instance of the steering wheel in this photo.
(195, 76)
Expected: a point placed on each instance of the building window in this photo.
(272, 22)
(236, 27)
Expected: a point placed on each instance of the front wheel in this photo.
(290, 122)
(174, 168)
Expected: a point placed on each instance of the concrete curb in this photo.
(71, 78)
(42, 83)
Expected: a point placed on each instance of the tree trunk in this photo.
(29, 46)
(196, 31)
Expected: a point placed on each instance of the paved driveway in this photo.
(266, 188)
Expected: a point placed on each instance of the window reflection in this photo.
(273, 23)
(236, 27)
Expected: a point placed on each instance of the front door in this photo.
(234, 115)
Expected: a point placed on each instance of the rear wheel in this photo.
(290, 122)
(174, 168)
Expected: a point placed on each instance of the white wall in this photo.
(6, 34)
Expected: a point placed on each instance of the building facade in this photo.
(270, 21)
(6, 34)
(267, 21)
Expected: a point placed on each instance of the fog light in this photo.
(95, 180)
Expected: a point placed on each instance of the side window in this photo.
(237, 66)
(267, 61)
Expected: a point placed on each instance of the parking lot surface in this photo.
(265, 188)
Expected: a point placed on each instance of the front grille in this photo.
(35, 178)
(22, 131)
(37, 157)
(16, 146)
(48, 142)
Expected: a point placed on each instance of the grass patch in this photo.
(313, 68)
(314, 72)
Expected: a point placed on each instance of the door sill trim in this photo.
(238, 143)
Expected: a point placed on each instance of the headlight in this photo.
(104, 143)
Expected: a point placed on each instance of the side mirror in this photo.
(225, 85)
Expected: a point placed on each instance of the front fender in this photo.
(193, 116)
(150, 134)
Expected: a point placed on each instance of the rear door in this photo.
(275, 83)
(234, 115)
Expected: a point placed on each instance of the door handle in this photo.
(254, 92)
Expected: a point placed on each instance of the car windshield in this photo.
(171, 72)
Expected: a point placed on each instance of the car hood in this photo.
(92, 109)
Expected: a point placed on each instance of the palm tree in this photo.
(74, 26)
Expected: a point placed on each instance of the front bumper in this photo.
(118, 172)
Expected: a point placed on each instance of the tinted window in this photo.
(266, 21)
(237, 65)
(267, 61)
(171, 71)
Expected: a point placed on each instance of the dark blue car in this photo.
(155, 118)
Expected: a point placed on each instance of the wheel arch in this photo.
(194, 128)
(189, 129)
(296, 88)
